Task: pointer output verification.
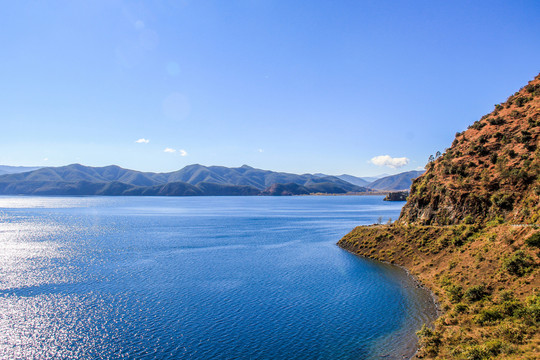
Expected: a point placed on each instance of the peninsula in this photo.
(470, 232)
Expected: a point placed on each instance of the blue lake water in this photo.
(199, 278)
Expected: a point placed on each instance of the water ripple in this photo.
(206, 278)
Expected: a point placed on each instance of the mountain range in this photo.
(192, 180)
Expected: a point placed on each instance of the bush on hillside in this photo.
(476, 293)
(533, 240)
(518, 263)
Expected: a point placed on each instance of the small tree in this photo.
(431, 158)
(379, 220)
(437, 154)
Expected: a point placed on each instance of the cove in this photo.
(200, 278)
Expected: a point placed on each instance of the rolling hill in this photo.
(192, 180)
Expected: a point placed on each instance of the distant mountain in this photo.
(402, 181)
(6, 169)
(360, 181)
(355, 180)
(192, 180)
(371, 179)
(246, 175)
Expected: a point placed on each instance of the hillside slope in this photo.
(470, 232)
(490, 171)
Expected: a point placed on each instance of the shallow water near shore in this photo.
(200, 278)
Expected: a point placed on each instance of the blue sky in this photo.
(298, 86)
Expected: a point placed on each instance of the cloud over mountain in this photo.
(387, 160)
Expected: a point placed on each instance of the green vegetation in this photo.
(519, 263)
(476, 293)
(533, 240)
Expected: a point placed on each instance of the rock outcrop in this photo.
(490, 171)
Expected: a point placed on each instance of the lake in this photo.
(200, 278)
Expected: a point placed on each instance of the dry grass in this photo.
(490, 300)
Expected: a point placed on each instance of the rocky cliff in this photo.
(490, 171)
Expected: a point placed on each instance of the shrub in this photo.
(497, 121)
(515, 114)
(476, 293)
(457, 241)
(513, 332)
(520, 101)
(455, 292)
(493, 158)
(461, 308)
(477, 125)
(485, 351)
(518, 263)
(519, 175)
(488, 316)
(533, 240)
(533, 89)
(469, 219)
(429, 339)
(506, 295)
(531, 312)
(525, 136)
(480, 150)
(510, 307)
(495, 221)
(503, 201)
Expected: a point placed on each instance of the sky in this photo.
(355, 87)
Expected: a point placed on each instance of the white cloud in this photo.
(46, 159)
(387, 160)
(142, 141)
(139, 24)
(260, 150)
(182, 152)
(169, 150)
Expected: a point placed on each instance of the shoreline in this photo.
(381, 193)
(418, 283)
(464, 269)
